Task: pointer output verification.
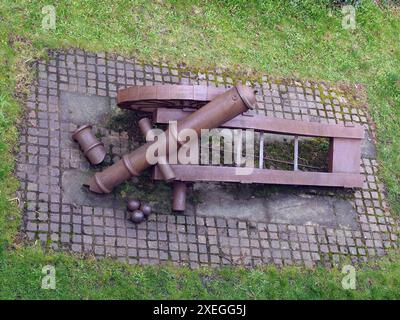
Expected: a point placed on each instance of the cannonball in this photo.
(146, 209)
(133, 204)
(137, 216)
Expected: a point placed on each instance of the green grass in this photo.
(301, 39)
(20, 278)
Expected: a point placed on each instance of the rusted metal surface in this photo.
(344, 155)
(92, 148)
(145, 127)
(272, 125)
(263, 176)
(179, 196)
(148, 98)
(221, 109)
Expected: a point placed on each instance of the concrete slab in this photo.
(83, 109)
(75, 193)
(288, 208)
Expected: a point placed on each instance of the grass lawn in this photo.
(301, 39)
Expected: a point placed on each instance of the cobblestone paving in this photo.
(47, 152)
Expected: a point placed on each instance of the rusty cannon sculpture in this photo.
(175, 102)
(221, 109)
(197, 107)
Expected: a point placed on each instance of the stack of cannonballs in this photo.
(138, 212)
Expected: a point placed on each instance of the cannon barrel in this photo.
(221, 109)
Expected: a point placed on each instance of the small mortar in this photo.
(92, 148)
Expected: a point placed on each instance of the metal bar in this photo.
(291, 163)
(273, 125)
(239, 146)
(264, 176)
(296, 154)
(261, 154)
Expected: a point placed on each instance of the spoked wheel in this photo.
(151, 105)
(149, 98)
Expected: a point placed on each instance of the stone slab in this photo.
(298, 209)
(83, 109)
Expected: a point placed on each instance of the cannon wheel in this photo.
(149, 98)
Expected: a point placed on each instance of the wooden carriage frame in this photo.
(167, 103)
